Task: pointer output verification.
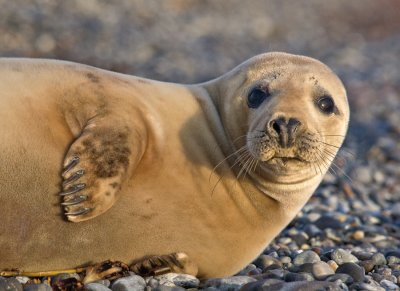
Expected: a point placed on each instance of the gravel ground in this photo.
(347, 237)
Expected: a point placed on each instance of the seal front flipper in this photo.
(95, 166)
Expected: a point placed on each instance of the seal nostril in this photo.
(276, 127)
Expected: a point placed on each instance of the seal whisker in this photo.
(243, 148)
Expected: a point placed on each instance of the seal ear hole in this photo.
(326, 104)
(257, 96)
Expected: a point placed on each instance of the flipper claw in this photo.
(80, 211)
(75, 200)
(71, 164)
(73, 189)
(74, 177)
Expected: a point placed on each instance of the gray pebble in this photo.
(388, 285)
(321, 270)
(104, 282)
(260, 285)
(341, 256)
(96, 287)
(347, 279)
(306, 257)
(325, 222)
(168, 288)
(181, 280)
(11, 284)
(291, 277)
(352, 269)
(131, 283)
(304, 286)
(22, 279)
(229, 283)
(38, 287)
(393, 260)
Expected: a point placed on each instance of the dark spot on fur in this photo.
(114, 185)
(108, 151)
(148, 200)
(93, 78)
(108, 193)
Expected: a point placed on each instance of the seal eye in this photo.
(256, 97)
(326, 104)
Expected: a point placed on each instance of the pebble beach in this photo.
(347, 237)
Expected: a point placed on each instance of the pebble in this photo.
(181, 280)
(131, 283)
(96, 287)
(299, 285)
(22, 279)
(45, 287)
(169, 288)
(388, 285)
(352, 269)
(306, 257)
(325, 222)
(341, 256)
(347, 279)
(260, 284)
(229, 283)
(321, 270)
(290, 277)
(265, 261)
(11, 284)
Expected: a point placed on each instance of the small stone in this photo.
(229, 283)
(104, 282)
(364, 174)
(388, 285)
(274, 274)
(352, 269)
(393, 260)
(368, 265)
(260, 285)
(300, 238)
(379, 259)
(264, 261)
(347, 279)
(169, 288)
(131, 283)
(285, 259)
(304, 286)
(246, 270)
(44, 287)
(291, 277)
(321, 270)
(325, 222)
(181, 280)
(11, 284)
(22, 280)
(332, 264)
(362, 255)
(95, 287)
(312, 231)
(341, 256)
(358, 235)
(306, 257)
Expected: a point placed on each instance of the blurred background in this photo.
(187, 41)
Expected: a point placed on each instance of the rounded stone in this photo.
(341, 256)
(40, 287)
(181, 280)
(306, 257)
(388, 285)
(22, 279)
(352, 269)
(291, 277)
(347, 279)
(96, 287)
(260, 285)
(168, 288)
(332, 264)
(264, 261)
(325, 222)
(358, 235)
(321, 270)
(131, 283)
(229, 283)
(10, 284)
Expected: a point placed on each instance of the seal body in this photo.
(161, 166)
